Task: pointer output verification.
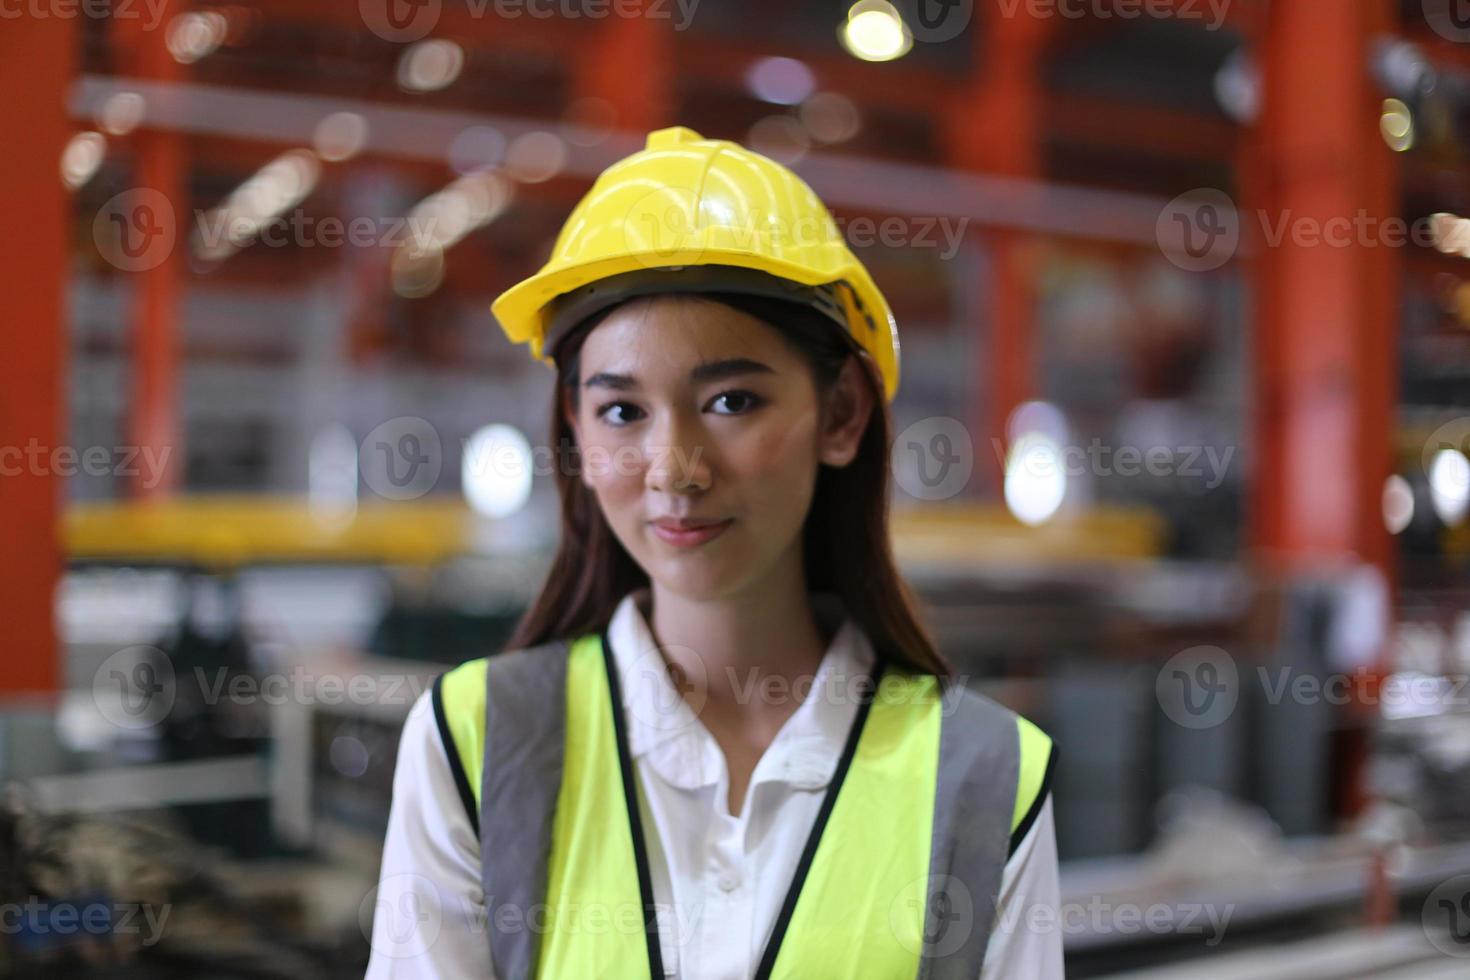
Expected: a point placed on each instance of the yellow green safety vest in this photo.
(899, 878)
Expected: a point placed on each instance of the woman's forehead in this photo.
(660, 333)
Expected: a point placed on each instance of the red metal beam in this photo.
(37, 57)
(1142, 129)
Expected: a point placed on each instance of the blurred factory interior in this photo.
(1185, 317)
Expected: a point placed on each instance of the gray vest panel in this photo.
(974, 800)
(525, 709)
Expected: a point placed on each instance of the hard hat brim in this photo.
(526, 310)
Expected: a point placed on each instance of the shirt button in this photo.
(729, 883)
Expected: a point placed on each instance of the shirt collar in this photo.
(666, 734)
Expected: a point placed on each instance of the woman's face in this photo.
(692, 411)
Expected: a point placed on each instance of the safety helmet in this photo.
(689, 214)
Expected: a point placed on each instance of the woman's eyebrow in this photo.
(708, 371)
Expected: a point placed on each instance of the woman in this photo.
(722, 744)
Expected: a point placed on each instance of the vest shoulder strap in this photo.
(993, 765)
(524, 723)
(1038, 763)
(458, 698)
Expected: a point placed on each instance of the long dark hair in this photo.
(846, 538)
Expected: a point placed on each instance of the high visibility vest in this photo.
(899, 878)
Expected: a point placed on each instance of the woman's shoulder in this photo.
(459, 697)
(974, 712)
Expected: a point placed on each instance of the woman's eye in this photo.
(625, 407)
(738, 402)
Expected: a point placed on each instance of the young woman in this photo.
(721, 744)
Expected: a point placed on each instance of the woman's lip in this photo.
(692, 536)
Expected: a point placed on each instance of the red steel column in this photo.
(631, 65)
(1326, 313)
(37, 58)
(994, 126)
(153, 423)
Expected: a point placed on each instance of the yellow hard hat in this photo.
(689, 214)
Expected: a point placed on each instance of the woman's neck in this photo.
(725, 648)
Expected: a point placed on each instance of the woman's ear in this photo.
(849, 405)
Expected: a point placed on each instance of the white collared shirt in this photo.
(719, 880)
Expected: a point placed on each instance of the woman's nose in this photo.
(676, 458)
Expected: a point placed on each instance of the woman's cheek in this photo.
(778, 449)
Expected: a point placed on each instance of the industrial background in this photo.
(1181, 469)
